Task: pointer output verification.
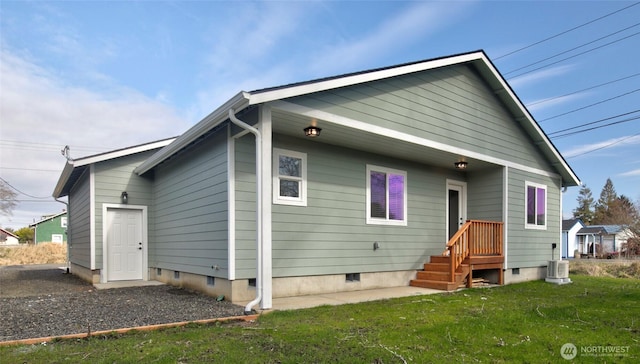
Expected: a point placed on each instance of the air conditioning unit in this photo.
(558, 272)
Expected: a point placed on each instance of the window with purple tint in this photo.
(386, 196)
(536, 196)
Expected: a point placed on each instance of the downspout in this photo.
(67, 233)
(259, 278)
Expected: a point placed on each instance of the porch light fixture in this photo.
(124, 197)
(460, 165)
(312, 131)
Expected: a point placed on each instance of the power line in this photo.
(575, 55)
(605, 146)
(565, 32)
(593, 122)
(572, 49)
(596, 127)
(590, 105)
(583, 90)
(23, 193)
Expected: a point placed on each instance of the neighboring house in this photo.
(343, 183)
(8, 238)
(50, 229)
(570, 243)
(598, 240)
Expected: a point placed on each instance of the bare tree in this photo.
(7, 199)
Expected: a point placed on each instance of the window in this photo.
(289, 177)
(63, 222)
(56, 238)
(536, 196)
(386, 196)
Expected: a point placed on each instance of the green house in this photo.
(50, 229)
(425, 174)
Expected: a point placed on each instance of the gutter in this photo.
(259, 257)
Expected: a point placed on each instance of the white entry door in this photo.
(124, 244)
(456, 206)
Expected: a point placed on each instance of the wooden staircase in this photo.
(476, 246)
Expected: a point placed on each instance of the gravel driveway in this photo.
(43, 300)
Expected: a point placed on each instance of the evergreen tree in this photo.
(584, 210)
(605, 209)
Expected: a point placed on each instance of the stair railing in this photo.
(475, 237)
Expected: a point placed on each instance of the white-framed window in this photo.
(56, 238)
(536, 206)
(386, 196)
(289, 177)
(63, 222)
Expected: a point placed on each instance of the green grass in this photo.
(519, 323)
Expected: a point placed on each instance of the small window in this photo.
(386, 196)
(352, 277)
(536, 210)
(56, 238)
(63, 222)
(252, 282)
(289, 177)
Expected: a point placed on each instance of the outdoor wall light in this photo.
(312, 131)
(460, 165)
(124, 197)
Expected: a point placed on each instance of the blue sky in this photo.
(104, 75)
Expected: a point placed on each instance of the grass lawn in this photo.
(519, 323)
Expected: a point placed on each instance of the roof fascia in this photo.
(237, 103)
(354, 79)
(64, 178)
(48, 218)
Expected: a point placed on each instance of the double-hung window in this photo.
(386, 196)
(536, 209)
(289, 177)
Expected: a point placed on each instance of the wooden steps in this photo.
(435, 274)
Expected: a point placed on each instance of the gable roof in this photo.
(51, 217)
(601, 230)
(568, 224)
(9, 233)
(477, 59)
(74, 168)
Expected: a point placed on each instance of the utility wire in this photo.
(593, 122)
(583, 90)
(575, 55)
(26, 194)
(590, 105)
(605, 146)
(572, 49)
(595, 127)
(565, 32)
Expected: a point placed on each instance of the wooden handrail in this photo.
(475, 237)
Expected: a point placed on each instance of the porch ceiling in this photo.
(292, 125)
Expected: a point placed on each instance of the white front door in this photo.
(456, 206)
(124, 244)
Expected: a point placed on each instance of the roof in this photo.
(51, 217)
(74, 168)
(600, 230)
(568, 224)
(478, 59)
(9, 233)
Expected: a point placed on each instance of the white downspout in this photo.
(67, 232)
(259, 278)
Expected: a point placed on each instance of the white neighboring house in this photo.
(8, 238)
(570, 230)
(602, 239)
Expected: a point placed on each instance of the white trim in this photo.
(409, 138)
(145, 242)
(461, 187)
(265, 126)
(385, 221)
(505, 214)
(537, 186)
(302, 180)
(92, 216)
(231, 174)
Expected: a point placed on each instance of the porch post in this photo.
(267, 190)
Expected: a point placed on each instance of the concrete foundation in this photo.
(517, 275)
(86, 274)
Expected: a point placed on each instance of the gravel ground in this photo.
(42, 301)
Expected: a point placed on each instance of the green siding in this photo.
(111, 178)
(530, 247)
(191, 204)
(79, 223)
(450, 105)
(330, 234)
(44, 230)
(485, 195)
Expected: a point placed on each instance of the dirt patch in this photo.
(608, 268)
